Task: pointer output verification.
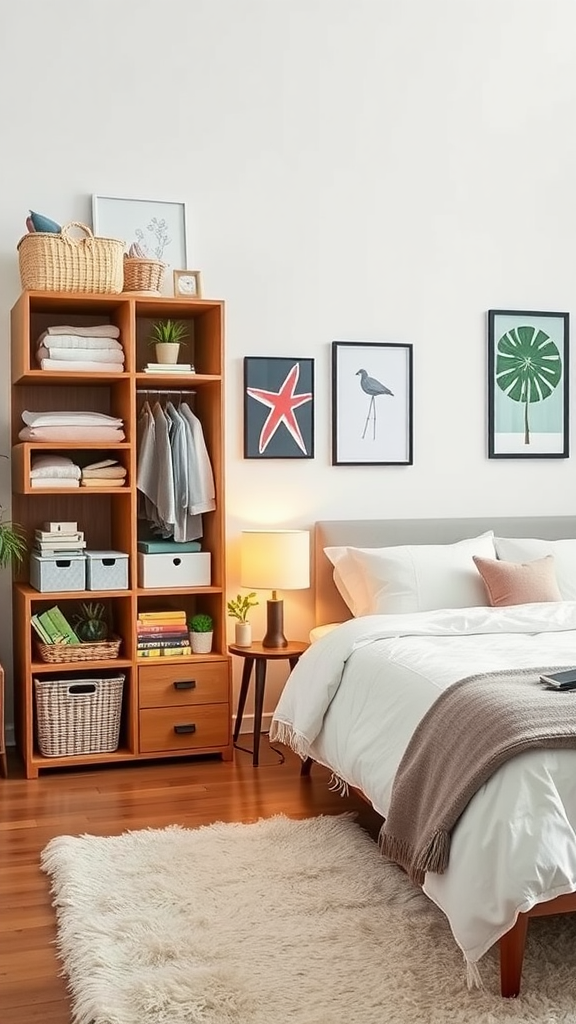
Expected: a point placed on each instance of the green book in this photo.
(40, 629)
(51, 630)
(60, 623)
(167, 547)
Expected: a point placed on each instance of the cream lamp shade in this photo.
(275, 560)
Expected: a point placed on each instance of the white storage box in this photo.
(106, 570)
(57, 572)
(190, 569)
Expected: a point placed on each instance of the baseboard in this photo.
(248, 723)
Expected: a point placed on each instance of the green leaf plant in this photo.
(239, 607)
(528, 367)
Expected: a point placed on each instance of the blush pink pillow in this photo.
(519, 582)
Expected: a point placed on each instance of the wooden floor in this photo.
(106, 802)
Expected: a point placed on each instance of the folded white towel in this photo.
(74, 341)
(47, 466)
(70, 418)
(95, 331)
(109, 473)
(103, 464)
(52, 481)
(76, 355)
(87, 367)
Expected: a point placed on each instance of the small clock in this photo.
(187, 284)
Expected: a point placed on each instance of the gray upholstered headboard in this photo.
(373, 533)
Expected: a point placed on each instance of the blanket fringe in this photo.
(284, 733)
(338, 785)
(473, 976)
(433, 857)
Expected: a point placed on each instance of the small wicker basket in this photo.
(92, 650)
(52, 262)
(78, 716)
(142, 275)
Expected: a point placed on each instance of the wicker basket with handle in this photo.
(78, 716)
(53, 262)
(91, 650)
(142, 275)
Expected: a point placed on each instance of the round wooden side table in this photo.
(259, 656)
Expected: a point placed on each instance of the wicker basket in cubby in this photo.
(78, 716)
(91, 650)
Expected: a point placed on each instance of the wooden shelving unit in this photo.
(159, 718)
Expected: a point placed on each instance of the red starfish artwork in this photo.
(282, 405)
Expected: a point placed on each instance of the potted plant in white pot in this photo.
(201, 628)
(238, 609)
(168, 336)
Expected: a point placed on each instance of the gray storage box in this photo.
(106, 570)
(57, 572)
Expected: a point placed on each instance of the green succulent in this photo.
(241, 605)
(201, 623)
(90, 623)
(168, 332)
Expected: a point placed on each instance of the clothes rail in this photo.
(164, 391)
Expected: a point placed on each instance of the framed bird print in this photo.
(371, 404)
(278, 408)
(528, 398)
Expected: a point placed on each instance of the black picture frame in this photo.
(372, 404)
(278, 408)
(528, 384)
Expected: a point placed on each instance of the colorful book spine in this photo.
(160, 617)
(144, 645)
(166, 629)
(166, 652)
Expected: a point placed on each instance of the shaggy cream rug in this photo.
(279, 922)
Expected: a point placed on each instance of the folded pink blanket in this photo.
(110, 434)
(96, 331)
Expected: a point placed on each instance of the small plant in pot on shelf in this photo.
(238, 609)
(90, 623)
(168, 336)
(201, 629)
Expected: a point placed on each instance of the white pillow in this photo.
(411, 577)
(528, 549)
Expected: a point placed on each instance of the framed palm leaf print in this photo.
(528, 385)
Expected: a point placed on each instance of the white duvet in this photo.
(355, 698)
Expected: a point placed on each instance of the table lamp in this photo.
(275, 560)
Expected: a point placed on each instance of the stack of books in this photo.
(162, 634)
(53, 627)
(169, 368)
(66, 540)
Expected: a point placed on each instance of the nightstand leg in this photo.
(293, 662)
(246, 673)
(258, 705)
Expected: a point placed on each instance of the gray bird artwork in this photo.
(373, 388)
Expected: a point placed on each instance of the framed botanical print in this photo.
(528, 385)
(278, 408)
(371, 404)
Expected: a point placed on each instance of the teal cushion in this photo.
(42, 223)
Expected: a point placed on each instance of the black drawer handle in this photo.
(182, 729)
(185, 684)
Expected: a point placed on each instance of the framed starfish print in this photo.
(371, 404)
(278, 408)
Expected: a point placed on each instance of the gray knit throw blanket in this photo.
(471, 729)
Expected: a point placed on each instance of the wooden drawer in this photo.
(204, 682)
(190, 727)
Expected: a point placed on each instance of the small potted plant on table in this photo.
(201, 627)
(238, 609)
(167, 336)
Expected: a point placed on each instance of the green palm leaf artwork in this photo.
(528, 367)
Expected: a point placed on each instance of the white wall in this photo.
(376, 170)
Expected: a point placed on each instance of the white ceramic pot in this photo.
(167, 351)
(243, 634)
(201, 643)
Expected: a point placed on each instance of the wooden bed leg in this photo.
(306, 766)
(511, 957)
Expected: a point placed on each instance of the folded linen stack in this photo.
(69, 425)
(91, 349)
(107, 473)
(54, 471)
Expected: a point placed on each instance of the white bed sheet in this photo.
(357, 695)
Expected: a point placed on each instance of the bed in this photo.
(356, 697)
